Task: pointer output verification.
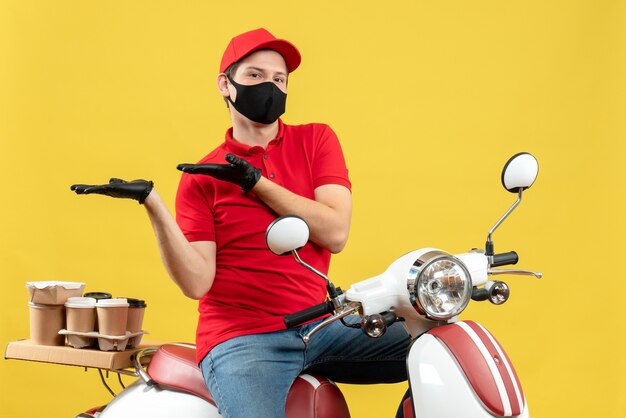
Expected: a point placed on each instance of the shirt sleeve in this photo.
(194, 213)
(329, 166)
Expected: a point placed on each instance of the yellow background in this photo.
(429, 99)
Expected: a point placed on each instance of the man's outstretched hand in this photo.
(136, 189)
(238, 171)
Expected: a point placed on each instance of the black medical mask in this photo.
(262, 103)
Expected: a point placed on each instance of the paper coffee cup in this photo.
(81, 314)
(97, 296)
(136, 310)
(112, 316)
(45, 323)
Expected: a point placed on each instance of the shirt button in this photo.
(272, 175)
(265, 157)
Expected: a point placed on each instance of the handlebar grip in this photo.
(305, 315)
(480, 294)
(505, 259)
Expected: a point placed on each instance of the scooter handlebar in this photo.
(308, 314)
(505, 259)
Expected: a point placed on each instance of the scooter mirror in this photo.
(286, 234)
(520, 172)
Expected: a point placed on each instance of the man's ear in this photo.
(222, 85)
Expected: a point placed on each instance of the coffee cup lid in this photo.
(80, 302)
(136, 303)
(98, 295)
(112, 303)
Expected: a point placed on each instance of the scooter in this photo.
(455, 368)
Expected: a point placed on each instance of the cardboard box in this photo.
(53, 293)
(109, 360)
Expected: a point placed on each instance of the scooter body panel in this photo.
(141, 400)
(441, 387)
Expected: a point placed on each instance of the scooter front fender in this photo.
(460, 370)
(141, 400)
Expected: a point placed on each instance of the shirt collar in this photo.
(243, 149)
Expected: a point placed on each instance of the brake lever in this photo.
(493, 272)
(342, 313)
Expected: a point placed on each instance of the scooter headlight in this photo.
(441, 285)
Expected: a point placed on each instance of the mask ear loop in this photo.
(235, 85)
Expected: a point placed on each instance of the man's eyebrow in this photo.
(263, 70)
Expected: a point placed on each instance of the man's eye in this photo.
(279, 80)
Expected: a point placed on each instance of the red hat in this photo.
(248, 42)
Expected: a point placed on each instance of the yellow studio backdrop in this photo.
(429, 99)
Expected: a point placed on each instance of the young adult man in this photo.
(215, 249)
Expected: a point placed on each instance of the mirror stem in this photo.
(330, 287)
(489, 248)
(313, 269)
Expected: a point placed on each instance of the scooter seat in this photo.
(174, 366)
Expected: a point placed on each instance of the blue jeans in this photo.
(250, 376)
